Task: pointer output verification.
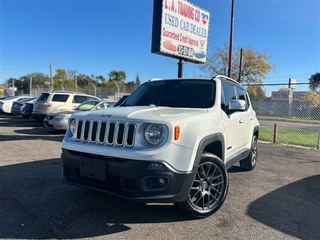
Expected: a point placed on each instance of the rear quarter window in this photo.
(79, 99)
(43, 97)
(60, 98)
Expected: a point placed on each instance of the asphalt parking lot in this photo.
(279, 199)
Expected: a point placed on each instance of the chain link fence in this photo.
(288, 116)
(112, 93)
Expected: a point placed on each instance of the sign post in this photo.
(292, 85)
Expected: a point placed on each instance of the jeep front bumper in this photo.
(145, 181)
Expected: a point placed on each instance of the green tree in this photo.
(2, 90)
(255, 66)
(118, 76)
(138, 82)
(256, 93)
(135, 83)
(100, 78)
(314, 82)
(309, 101)
(283, 89)
(83, 80)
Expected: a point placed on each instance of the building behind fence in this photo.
(287, 117)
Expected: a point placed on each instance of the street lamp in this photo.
(30, 84)
(51, 80)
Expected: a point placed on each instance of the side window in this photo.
(79, 99)
(242, 96)
(229, 93)
(60, 98)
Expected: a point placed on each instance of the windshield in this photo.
(87, 105)
(174, 93)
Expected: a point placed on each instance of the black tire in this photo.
(250, 162)
(45, 124)
(209, 188)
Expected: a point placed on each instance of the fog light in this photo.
(154, 183)
(161, 182)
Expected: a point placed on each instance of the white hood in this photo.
(138, 113)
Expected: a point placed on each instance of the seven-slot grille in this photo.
(104, 132)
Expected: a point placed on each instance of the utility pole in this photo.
(75, 83)
(231, 40)
(30, 87)
(13, 93)
(240, 66)
(51, 80)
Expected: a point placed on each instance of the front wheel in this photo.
(209, 188)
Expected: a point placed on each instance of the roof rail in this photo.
(155, 79)
(62, 91)
(225, 77)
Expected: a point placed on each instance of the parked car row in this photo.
(59, 120)
(54, 108)
(7, 103)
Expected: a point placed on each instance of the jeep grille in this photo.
(109, 133)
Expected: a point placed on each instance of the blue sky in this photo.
(98, 36)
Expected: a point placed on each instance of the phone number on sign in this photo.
(185, 51)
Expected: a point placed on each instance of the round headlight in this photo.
(72, 126)
(154, 133)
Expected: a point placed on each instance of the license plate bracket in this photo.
(93, 169)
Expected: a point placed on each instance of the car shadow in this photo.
(34, 204)
(292, 209)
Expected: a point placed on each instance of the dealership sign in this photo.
(180, 30)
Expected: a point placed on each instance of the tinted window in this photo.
(79, 99)
(229, 93)
(43, 97)
(242, 95)
(174, 93)
(60, 98)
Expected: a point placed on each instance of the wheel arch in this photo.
(214, 144)
(256, 131)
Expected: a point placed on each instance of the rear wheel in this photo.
(209, 188)
(250, 162)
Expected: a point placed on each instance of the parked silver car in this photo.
(59, 120)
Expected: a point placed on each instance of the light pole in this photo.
(231, 41)
(30, 85)
(51, 80)
(118, 91)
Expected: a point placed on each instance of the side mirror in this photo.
(237, 105)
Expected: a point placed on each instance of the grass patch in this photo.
(290, 136)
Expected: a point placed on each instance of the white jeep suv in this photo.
(170, 141)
